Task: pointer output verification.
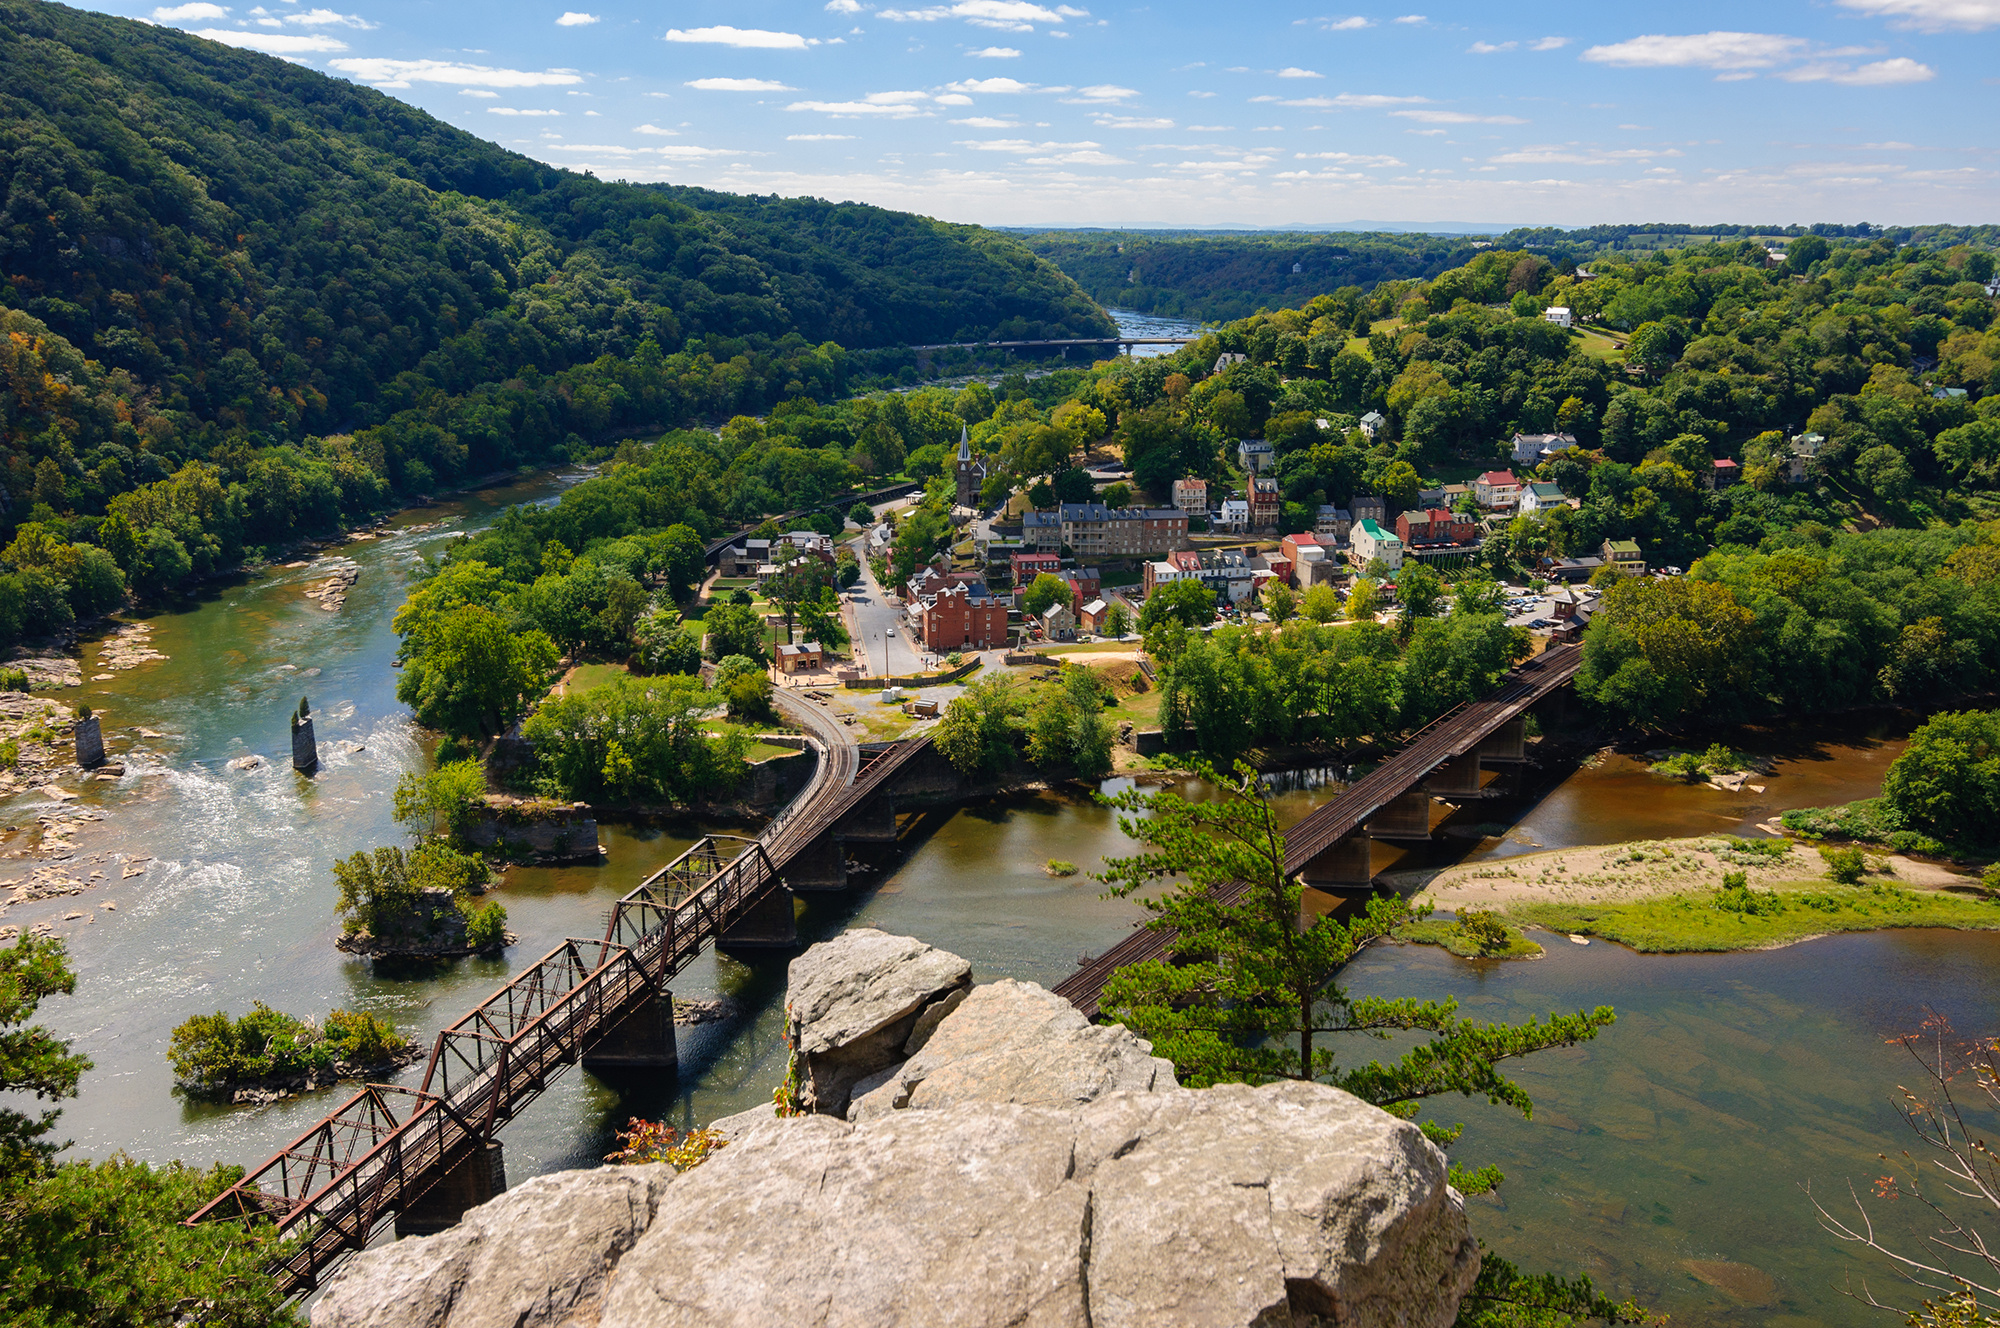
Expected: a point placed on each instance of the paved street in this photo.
(871, 614)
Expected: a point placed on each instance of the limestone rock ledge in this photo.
(1009, 1164)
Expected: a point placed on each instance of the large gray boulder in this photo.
(861, 1003)
(1016, 1042)
(536, 1257)
(1230, 1207)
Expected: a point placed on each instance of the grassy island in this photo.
(1677, 896)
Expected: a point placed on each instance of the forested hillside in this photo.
(295, 297)
(1212, 278)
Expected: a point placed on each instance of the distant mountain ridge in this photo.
(225, 226)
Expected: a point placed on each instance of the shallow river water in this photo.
(1680, 1137)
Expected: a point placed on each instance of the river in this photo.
(1132, 323)
(1682, 1134)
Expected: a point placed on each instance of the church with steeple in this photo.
(971, 471)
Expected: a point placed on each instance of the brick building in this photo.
(1428, 529)
(957, 619)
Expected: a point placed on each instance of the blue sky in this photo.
(1182, 113)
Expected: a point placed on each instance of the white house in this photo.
(1372, 542)
(1255, 456)
(1372, 423)
(1227, 358)
(1557, 314)
(1236, 513)
(1539, 497)
(1534, 448)
(1497, 488)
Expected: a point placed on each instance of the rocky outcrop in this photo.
(859, 1004)
(539, 830)
(536, 1257)
(1011, 1164)
(1016, 1042)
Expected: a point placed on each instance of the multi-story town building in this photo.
(1093, 531)
(957, 619)
(1435, 527)
(1371, 542)
(1191, 496)
(1267, 503)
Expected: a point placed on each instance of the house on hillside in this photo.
(1624, 555)
(1373, 423)
(1497, 488)
(1191, 496)
(1724, 473)
(1540, 497)
(1333, 522)
(1372, 542)
(1557, 314)
(1531, 449)
(1227, 358)
(1367, 507)
(1255, 456)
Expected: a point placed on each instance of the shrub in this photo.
(652, 1141)
(363, 1039)
(486, 926)
(1989, 881)
(13, 680)
(1483, 928)
(1060, 867)
(1844, 865)
(10, 753)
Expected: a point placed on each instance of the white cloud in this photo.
(655, 129)
(1210, 129)
(1412, 18)
(273, 43)
(1293, 71)
(1087, 157)
(574, 19)
(1932, 15)
(897, 111)
(180, 13)
(1487, 48)
(1201, 94)
(326, 18)
(1457, 117)
(739, 85)
(987, 122)
(1702, 50)
(1099, 93)
(1549, 44)
(1347, 101)
(1349, 24)
(752, 38)
(1881, 73)
(1132, 122)
(509, 110)
(476, 92)
(845, 6)
(687, 153)
(1573, 155)
(995, 85)
(996, 53)
(817, 138)
(952, 99)
(1347, 159)
(371, 69)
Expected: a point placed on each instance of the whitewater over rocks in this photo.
(1008, 1164)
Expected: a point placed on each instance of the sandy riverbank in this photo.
(1628, 873)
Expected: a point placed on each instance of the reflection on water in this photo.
(1688, 1130)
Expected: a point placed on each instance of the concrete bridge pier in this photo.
(1345, 867)
(1408, 816)
(642, 1042)
(874, 822)
(478, 1176)
(818, 867)
(770, 925)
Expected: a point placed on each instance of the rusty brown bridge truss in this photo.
(1332, 849)
(389, 1151)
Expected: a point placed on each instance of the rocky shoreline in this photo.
(263, 1092)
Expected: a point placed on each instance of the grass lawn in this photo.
(759, 751)
(1599, 346)
(586, 676)
(1724, 920)
(1143, 709)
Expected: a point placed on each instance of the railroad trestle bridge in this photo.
(421, 1156)
(1332, 849)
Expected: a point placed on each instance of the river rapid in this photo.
(1678, 1141)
